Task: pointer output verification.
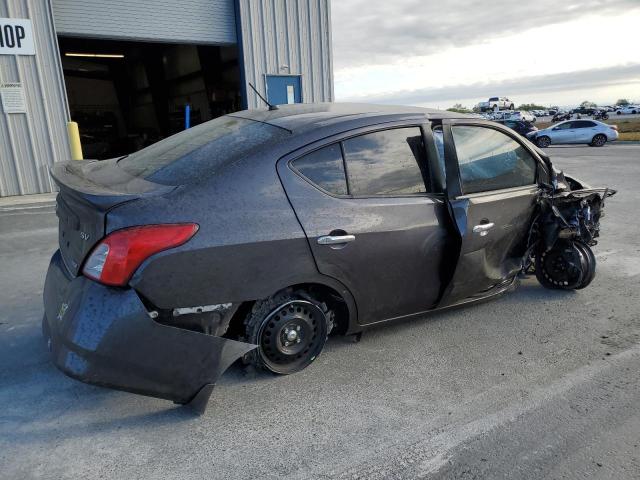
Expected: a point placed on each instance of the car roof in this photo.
(305, 116)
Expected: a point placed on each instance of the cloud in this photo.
(368, 32)
(592, 78)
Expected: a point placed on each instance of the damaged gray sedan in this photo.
(258, 234)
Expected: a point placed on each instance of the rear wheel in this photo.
(599, 140)
(543, 142)
(290, 329)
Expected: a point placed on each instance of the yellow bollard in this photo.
(74, 140)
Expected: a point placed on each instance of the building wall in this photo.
(31, 142)
(291, 37)
(287, 37)
(174, 21)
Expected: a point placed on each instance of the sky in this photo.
(436, 53)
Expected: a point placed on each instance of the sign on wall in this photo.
(12, 97)
(16, 37)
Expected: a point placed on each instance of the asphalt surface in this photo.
(536, 384)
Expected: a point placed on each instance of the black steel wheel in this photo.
(290, 330)
(563, 267)
(591, 264)
(543, 141)
(599, 140)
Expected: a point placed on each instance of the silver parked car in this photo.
(591, 132)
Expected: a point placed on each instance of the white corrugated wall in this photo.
(278, 37)
(31, 142)
(287, 37)
(174, 21)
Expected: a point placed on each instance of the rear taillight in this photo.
(114, 260)
(614, 127)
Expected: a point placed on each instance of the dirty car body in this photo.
(257, 234)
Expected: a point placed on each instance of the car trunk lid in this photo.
(88, 191)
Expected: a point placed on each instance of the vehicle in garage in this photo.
(257, 234)
(590, 132)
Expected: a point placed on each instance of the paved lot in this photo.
(537, 384)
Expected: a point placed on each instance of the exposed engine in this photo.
(567, 225)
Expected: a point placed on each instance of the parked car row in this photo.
(510, 115)
(568, 131)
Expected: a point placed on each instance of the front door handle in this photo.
(336, 239)
(483, 228)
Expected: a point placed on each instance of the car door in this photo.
(366, 203)
(492, 188)
(563, 133)
(584, 130)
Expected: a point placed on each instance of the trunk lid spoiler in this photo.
(89, 189)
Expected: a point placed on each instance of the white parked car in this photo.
(629, 109)
(502, 103)
(522, 115)
(591, 132)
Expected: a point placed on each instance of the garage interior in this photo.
(126, 95)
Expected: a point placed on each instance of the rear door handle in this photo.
(483, 228)
(336, 239)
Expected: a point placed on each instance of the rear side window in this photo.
(490, 160)
(201, 151)
(389, 162)
(583, 124)
(325, 168)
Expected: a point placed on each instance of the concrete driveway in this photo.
(537, 384)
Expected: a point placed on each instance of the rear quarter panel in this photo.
(249, 244)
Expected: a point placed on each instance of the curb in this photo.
(27, 202)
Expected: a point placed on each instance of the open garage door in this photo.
(128, 95)
(137, 72)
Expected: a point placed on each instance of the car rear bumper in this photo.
(105, 336)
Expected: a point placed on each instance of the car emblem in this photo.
(84, 236)
(63, 309)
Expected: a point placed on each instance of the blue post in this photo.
(187, 116)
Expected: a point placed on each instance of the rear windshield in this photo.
(493, 99)
(200, 151)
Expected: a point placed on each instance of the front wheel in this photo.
(567, 266)
(543, 142)
(290, 329)
(599, 140)
(591, 264)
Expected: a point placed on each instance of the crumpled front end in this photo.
(105, 336)
(567, 225)
(571, 211)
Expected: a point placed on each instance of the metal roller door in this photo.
(177, 21)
